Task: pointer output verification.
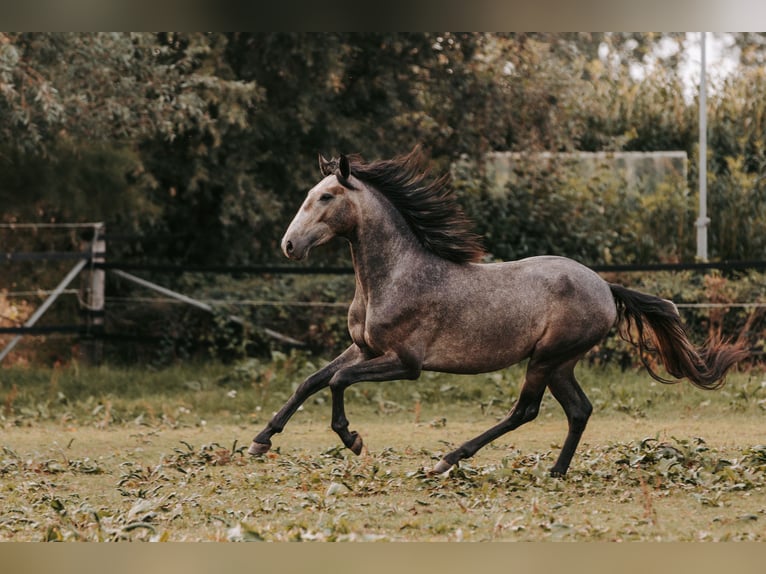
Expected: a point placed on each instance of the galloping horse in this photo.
(423, 302)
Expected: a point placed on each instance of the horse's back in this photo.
(559, 278)
(548, 277)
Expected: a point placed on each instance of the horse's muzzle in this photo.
(296, 244)
(293, 249)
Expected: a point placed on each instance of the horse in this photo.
(425, 301)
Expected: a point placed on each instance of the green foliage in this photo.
(88, 183)
(738, 160)
(85, 87)
(554, 207)
(206, 141)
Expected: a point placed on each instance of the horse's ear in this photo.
(325, 167)
(343, 166)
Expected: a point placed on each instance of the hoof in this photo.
(356, 448)
(441, 467)
(258, 448)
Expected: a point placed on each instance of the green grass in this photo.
(244, 392)
(131, 454)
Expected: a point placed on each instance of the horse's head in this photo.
(327, 211)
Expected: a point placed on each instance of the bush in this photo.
(552, 206)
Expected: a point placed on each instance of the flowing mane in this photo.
(427, 203)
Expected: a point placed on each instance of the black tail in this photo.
(705, 367)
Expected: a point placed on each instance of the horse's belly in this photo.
(464, 350)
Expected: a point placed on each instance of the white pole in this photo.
(703, 220)
(93, 297)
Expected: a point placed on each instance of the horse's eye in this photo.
(325, 197)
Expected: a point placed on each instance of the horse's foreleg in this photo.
(387, 367)
(316, 382)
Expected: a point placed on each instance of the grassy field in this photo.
(129, 454)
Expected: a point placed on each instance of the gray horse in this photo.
(423, 302)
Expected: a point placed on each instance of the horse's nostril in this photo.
(289, 246)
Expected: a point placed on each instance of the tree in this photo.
(74, 108)
(114, 87)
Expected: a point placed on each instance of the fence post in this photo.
(93, 297)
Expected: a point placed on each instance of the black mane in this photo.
(427, 203)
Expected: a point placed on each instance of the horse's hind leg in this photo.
(525, 410)
(577, 407)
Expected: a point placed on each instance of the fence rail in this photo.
(79, 329)
(336, 270)
(44, 256)
(229, 269)
(697, 266)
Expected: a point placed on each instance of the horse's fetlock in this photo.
(339, 425)
(458, 454)
(274, 428)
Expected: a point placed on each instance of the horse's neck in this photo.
(383, 245)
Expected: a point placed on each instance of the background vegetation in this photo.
(196, 148)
